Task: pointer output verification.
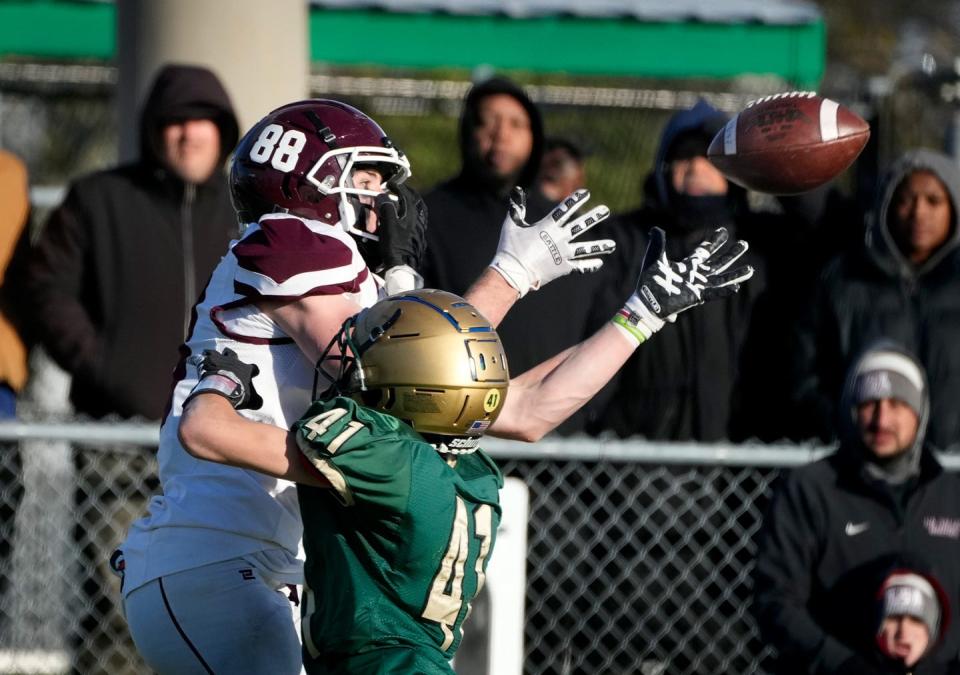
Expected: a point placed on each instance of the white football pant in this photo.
(221, 618)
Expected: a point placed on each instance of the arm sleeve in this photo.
(55, 276)
(284, 258)
(783, 577)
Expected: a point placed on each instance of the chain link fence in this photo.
(638, 561)
(640, 568)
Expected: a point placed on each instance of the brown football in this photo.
(788, 143)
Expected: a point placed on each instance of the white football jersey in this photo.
(210, 512)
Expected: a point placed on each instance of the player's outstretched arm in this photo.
(531, 255)
(546, 395)
(211, 429)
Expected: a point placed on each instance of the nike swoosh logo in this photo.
(853, 529)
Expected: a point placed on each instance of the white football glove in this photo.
(533, 254)
(667, 287)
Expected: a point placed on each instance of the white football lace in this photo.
(670, 278)
(787, 94)
(695, 281)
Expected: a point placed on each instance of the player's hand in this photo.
(667, 287)
(403, 237)
(225, 374)
(533, 254)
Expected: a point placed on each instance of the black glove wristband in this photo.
(225, 374)
(218, 383)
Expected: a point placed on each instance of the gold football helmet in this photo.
(428, 358)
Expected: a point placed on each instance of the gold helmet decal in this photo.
(429, 358)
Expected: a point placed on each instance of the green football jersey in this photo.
(399, 548)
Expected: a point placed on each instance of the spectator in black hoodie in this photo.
(501, 143)
(836, 527)
(719, 376)
(119, 264)
(680, 388)
(903, 283)
(109, 289)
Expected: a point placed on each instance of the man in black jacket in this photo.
(501, 142)
(113, 278)
(835, 527)
(680, 388)
(902, 283)
(120, 263)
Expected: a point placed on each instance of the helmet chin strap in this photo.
(352, 214)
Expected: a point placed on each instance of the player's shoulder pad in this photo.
(281, 246)
(337, 423)
(328, 425)
(364, 454)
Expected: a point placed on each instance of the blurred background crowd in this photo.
(114, 205)
(601, 122)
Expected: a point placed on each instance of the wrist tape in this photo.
(218, 383)
(635, 320)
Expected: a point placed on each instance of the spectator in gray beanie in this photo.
(837, 527)
(884, 374)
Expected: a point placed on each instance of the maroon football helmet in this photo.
(299, 159)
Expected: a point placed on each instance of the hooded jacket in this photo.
(466, 214)
(833, 531)
(875, 292)
(119, 264)
(680, 385)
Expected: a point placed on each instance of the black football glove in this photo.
(403, 227)
(667, 287)
(225, 374)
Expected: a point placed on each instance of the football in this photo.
(788, 143)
